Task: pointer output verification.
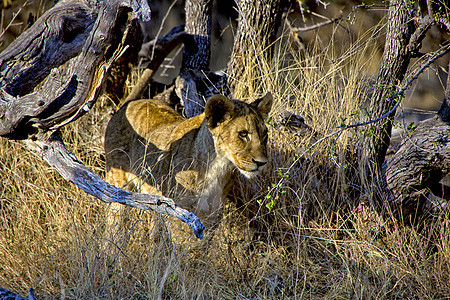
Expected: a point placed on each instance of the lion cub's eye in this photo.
(243, 134)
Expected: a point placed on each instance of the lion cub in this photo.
(151, 148)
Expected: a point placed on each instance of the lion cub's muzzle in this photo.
(258, 163)
(255, 167)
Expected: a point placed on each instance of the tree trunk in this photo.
(396, 58)
(423, 158)
(197, 49)
(196, 56)
(258, 25)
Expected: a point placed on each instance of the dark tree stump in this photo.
(417, 167)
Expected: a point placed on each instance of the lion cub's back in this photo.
(147, 116)
(146, 119)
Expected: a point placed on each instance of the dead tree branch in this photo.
(157, 50)
(53, 151)
(56, 37)
(5, 294)
(196, 55)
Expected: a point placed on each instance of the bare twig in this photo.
(297, 38)
(367, 6)
(15, 15)
(371, 38)
(416, 39)
(316, 26)
(161, 26)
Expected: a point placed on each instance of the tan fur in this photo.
(152, 148)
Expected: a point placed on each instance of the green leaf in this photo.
(270, 205)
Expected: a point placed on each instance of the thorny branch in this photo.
(439, 53)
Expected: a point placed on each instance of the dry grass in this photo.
(320, 239)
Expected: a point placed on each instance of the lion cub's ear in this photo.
(218, 108)
(264, 105)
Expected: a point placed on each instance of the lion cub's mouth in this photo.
(250, 174)
(250, 170)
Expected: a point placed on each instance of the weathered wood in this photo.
(55, 38)
(21, 116)
(8, 295)
(64, 95)
(53, 151)
(421, 162)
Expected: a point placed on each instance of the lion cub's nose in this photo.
(259, 163)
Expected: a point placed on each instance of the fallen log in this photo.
(421, 162)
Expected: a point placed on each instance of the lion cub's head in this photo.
(239, 131)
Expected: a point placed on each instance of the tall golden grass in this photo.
(305, 229)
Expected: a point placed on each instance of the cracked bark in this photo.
(396, 58)
(258, 25)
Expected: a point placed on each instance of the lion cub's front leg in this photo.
(116, 177)
(207, 200)
(130, 182)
